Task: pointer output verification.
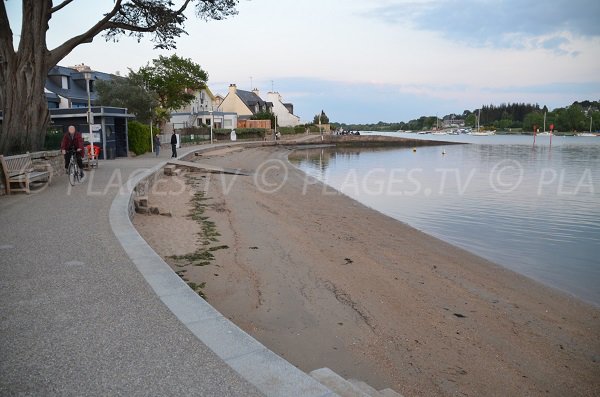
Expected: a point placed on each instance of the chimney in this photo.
(256, 92)
(232, 89)
(81, 68)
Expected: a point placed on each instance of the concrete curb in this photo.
(271, 374)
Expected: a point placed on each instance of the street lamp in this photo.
(88, 76)
(211, 126)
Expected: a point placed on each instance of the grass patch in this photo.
(202, 256)
(197, 288)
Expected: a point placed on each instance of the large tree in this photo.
(321, 118)
(123, 92)
(173, 79)
(23, 70)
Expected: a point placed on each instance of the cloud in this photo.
(519, 24)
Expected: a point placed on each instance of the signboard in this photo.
(86, 136)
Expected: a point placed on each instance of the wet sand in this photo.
(327, 282)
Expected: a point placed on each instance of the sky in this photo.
(369, 61)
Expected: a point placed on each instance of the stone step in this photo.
(365, 388)
(141, 201)
(336, 383)
(169, 169)
(389, 393)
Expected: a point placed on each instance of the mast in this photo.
(544, 121)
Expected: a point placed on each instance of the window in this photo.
(65, 82)
(227, 123)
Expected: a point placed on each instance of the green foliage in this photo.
(162, 18)
(299, 129)
(534, 119)
(124, 92)
(264, 116)
(321, 118)
(572, 118)
(471, 120)
(53, 138)
(242, 133)
(195, 138)
(173, 79)
(139, 137)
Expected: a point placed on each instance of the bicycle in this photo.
(73, 169)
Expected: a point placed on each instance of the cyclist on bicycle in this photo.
(72, 141)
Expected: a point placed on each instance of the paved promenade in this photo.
(76, 316)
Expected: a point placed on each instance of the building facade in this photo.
(283, 111)
(202, 111)
(244, 103)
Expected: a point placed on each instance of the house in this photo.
(203, 110)
(65, 87)
(283, 111)
(67, 97)
(245, 103)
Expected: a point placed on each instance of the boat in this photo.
(586, 134)
(482, 133)
(478, 132)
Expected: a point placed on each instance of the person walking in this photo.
(174, 145)
(157, 145)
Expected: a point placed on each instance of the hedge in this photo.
(242, 133)
(139, 137)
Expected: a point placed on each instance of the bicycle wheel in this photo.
(73, 174)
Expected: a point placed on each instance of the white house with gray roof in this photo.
(283, 111)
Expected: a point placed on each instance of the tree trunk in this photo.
(24, 109)
(22, 80)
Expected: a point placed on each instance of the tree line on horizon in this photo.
(514, 117)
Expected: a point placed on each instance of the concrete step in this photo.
(389, 393)
(365, 388)
(336, 383)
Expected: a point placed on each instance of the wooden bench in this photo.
(19, 170)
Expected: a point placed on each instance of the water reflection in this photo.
(535, 210)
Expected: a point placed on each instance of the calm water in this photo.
(535, 210)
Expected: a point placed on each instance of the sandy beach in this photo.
(324, 281)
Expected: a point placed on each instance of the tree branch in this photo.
(65, 48)
(61, 5)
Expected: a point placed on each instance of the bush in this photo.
(139, 137)
(299, 129)
(194, 138)
(286, 130)
(53, 138)
(242, 133)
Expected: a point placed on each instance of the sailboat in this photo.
(479, 132)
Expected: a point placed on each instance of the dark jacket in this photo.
(156, 141)
(67, 142)
(173, 139)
